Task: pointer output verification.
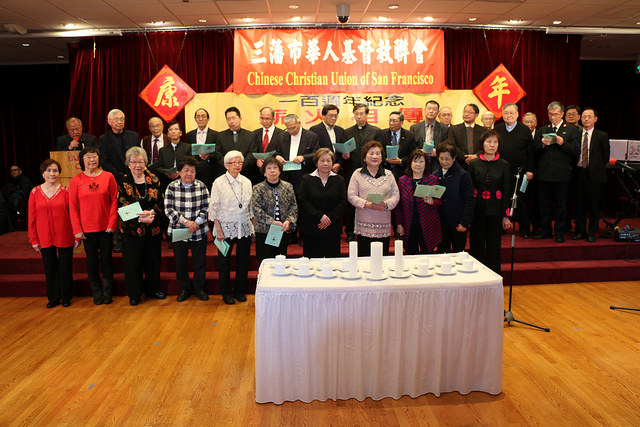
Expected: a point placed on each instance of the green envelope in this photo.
(197, 149)
(274, 236)
(180, 234)
(222, 246)
(376, 198)
(262, 156)
(428, 147)
(346, 147)
(392, 151)
(435, 191)
(291, 166)
(130, 211)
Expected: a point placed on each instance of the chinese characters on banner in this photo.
(497, 89)
(167, 94)
(331, 61)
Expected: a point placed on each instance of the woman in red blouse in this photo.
(93, 205)
(50, 233)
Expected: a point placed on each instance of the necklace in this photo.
(234, 192)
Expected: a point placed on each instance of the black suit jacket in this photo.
(247, 144)
(598, 156)
(323, 136)
(440, 132)
(111, 155)
(207, 169)
(192, 136)
(458, 137)
(555, 162)
(86, 140)
(258, 133)
(147, 145)
(307, 148)
(362, 136)
(406, 145)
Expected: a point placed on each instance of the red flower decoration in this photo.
(486, 195)
(475, 193)
(499, 194)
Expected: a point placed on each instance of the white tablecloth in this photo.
(339, 339)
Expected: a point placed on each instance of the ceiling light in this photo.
(428, 18)
(293, 6)
(394, 6)
(515, 21)
(472, 19)
(157, 22)
(69, 26)
(382, 18)
(557, 22)
(60, 56)
(202, 21)
(296, 18)
(248, 19)
(26, 44)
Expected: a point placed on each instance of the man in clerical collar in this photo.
(237, 138)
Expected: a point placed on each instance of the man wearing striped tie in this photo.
(465, 135)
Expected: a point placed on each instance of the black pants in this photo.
(587, 198)
(452, 240)
(58, 270)
(364, 245)
(264, 251)
(550, 192)
(485, 239)
(321, 246)
(242, 266)
(199, 255)
(141, 262)
(415, 241)
(98, 248)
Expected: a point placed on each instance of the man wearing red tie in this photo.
(267, 131)
(154, 142)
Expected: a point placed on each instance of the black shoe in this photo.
(134, 301)
(351, 237)
(201, 295)
(542, 236)
(183, 295)
(560, 239)
(66, 303)
(117, 249)
(228, 299)
(578, 236)
(52, 304)
(240, 297)
(156, 295)
(97, 300)
(525, 235)
(591, 238)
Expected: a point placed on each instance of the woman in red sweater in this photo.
(93, 202)
(50, 233)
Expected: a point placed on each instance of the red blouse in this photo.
(93, 203)
(49, 221)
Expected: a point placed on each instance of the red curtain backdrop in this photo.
(546, 66)
(123, 66)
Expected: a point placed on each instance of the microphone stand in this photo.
(508, 315)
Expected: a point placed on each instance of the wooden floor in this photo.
(192, 364)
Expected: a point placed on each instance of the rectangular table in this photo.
(319, 339)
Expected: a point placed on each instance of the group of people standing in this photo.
(301, 186)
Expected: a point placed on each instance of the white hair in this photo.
(232, 155)
(113, 113)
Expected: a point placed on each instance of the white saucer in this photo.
(468, 271)
(405, 269)
(453, 271)
(346, 276)
(287, 271)
(415, 272)
(333, 275)
(403, 275)
(384, 276)
(297, 272)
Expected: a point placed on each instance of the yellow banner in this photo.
(309, 107)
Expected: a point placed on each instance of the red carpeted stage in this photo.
(536, 262)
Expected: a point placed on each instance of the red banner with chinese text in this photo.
(167, 93)
(497, 89)
(329, 61)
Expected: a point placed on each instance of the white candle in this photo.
(399, 264)
(376, 260)
(353, 257)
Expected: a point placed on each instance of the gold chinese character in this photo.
(498, 85)
(165, 94)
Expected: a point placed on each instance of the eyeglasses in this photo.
(136, 163)
(235, 163)
(90, 157)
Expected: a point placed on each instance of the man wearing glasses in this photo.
(266, 132)
(328, 132)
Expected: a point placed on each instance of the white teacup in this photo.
(423, 267)
(445, 267)
(445, 258)
(280, 268)
(281, 258)
(303, 269)
(326, 270)
(467, 264)
(463, 255)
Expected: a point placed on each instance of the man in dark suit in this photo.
(236, 138)
(445, 115)
(466, 135)
(114, 144)
(75, 139)
(430, 131)
(202, 134)
(154, 142)
(396, 135)
(297, 145)
(267, 132)
(556, 157)
(516, 147)
(362, 132)
(590, 175)
(170, 155)
(328, 132)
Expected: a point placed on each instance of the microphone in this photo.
(615, 162)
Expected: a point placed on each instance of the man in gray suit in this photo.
(75, 139)
(466, 135)
(430, 131)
